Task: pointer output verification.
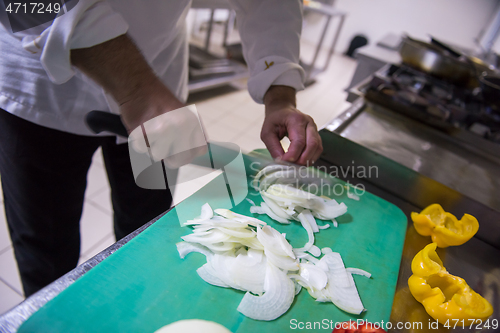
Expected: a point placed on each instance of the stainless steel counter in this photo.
(418, 166)
(428, 152)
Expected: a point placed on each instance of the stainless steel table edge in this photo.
(15, 317)
(428, 188)
(477, 261)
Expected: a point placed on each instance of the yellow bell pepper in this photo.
(444, 228)
(445, 297)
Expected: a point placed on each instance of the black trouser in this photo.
(44, 175)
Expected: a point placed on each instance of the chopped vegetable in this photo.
(443, 227)
(278, 296)
(244, 253)
(283, 202)
(444, 296)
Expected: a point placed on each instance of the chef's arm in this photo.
(118, 66)
(91, 37)
(270, 32)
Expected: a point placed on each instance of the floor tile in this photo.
(102, 200)
(101, 245)
(9, 272)
(236, 122)
(94, 225)
(97, 158)
(207, 113)
(219, 132)
(210, 110)
(97, 179)
(4, 232)
(9, 298)
(250, 110)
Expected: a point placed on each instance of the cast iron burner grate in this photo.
(435, 102)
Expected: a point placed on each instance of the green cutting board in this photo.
(145, 285)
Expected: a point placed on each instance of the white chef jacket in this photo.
(38, 83)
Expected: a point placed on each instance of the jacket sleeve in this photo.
(270, 33)
(88, 23)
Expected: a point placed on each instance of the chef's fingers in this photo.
(296, 125)
(271, 136)
(313, 148)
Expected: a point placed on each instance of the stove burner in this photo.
(435, 102)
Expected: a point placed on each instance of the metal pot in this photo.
(437, 62)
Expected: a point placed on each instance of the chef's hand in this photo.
(283, 119)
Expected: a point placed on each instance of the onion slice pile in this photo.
(244, 253)
(283, 202)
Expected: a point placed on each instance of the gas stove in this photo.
(433, 142)
(447, 107)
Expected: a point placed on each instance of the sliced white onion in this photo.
(244, 253)
(358, 271)
(210, 237)
(274, 241)
(283, 262)
(238, 217)
(221, 247)
(252, 243)
(257, 210)
(308, 257)
(242, 233)
(241, 272)
(250, 201)
(315, 251)
(331, 211)
(279, 292)
(248, 273)
(326, 250)
(325, 226)
(272, 174)
(301, 281)
(272, 215)
(341, 289)
(352, 196)
(315, 276)
(305, 223)
(206, 212)
(207, 273)
(312, 221)
(298, 288)
(185, 248)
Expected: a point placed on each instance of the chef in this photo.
(128, 57)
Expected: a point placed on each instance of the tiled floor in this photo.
(232, 116)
